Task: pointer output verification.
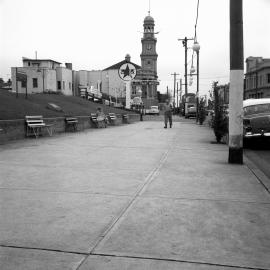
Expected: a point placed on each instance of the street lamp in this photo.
(196, 48)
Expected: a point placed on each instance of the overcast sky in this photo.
(94, 34)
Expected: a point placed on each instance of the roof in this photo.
(149, 19)
(251, 102)
(39, 60)
(118, 65)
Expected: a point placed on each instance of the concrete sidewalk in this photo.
(130, 197)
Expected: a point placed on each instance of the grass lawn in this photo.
(36, 104)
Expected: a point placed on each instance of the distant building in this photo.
(257, 78)
(88, 79)
(42, 75)
(112, 84)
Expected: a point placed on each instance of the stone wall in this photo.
(16, 129)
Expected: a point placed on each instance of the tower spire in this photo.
(149, 7)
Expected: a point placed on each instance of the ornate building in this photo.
(147, 79)
(257, 78)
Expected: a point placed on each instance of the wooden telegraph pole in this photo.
(236, 83)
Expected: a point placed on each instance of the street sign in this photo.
(127, 72)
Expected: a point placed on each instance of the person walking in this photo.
(101, 118)
(167, 113)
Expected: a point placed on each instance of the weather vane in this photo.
(149, 7)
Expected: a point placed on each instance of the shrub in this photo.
(201, 111)
(220, 123)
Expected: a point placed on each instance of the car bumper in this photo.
(252, 135)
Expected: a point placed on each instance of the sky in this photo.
(95, 34)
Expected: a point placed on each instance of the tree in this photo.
(201, 111)
(220, 119)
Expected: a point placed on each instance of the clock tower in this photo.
(146, 81)
(149, 54)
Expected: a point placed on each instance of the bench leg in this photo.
(50, 131)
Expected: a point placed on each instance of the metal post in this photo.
(236, 83)
(26, 90)
(186, 85)
(177, 96)
(174, 89)
(185, 41)
(198, 68)
(43, 79)
(16, 82)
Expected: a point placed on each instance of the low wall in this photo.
(15, 129)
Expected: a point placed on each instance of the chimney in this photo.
(68, 65)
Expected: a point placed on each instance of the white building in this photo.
(112, 84)
(85, 79)
(43, 75)
(64, 80)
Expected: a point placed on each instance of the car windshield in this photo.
(154, 107)
(259, 108)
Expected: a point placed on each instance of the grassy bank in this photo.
(36, 104)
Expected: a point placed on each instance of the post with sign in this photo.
(127, 72)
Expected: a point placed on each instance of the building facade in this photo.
(112, 84)
(43, 76)
(257, 78)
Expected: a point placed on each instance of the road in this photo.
(259, 154)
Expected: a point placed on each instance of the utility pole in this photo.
(177, 96)
(185, 42)
(174, 84)
(236, 83)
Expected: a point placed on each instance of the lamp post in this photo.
(141, 105)
(196, 48)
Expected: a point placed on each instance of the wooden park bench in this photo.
(35, 124)
(112, 118)
(93, 120)
(125, 118)
(71, 123)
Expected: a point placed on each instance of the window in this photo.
(148, 62)
(69, 86)
(64, 85)
(24, 83)
(58, 85)
(268, 78)
(35, 83)
(29, 64)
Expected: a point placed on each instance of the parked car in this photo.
(191, 110)
(153, 110)
(256, 121)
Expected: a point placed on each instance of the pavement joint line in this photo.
(175, 260)
(44, 249)
(69, 192)
(253, 168)
(149, 178)
(59, 166)
(202, 199)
